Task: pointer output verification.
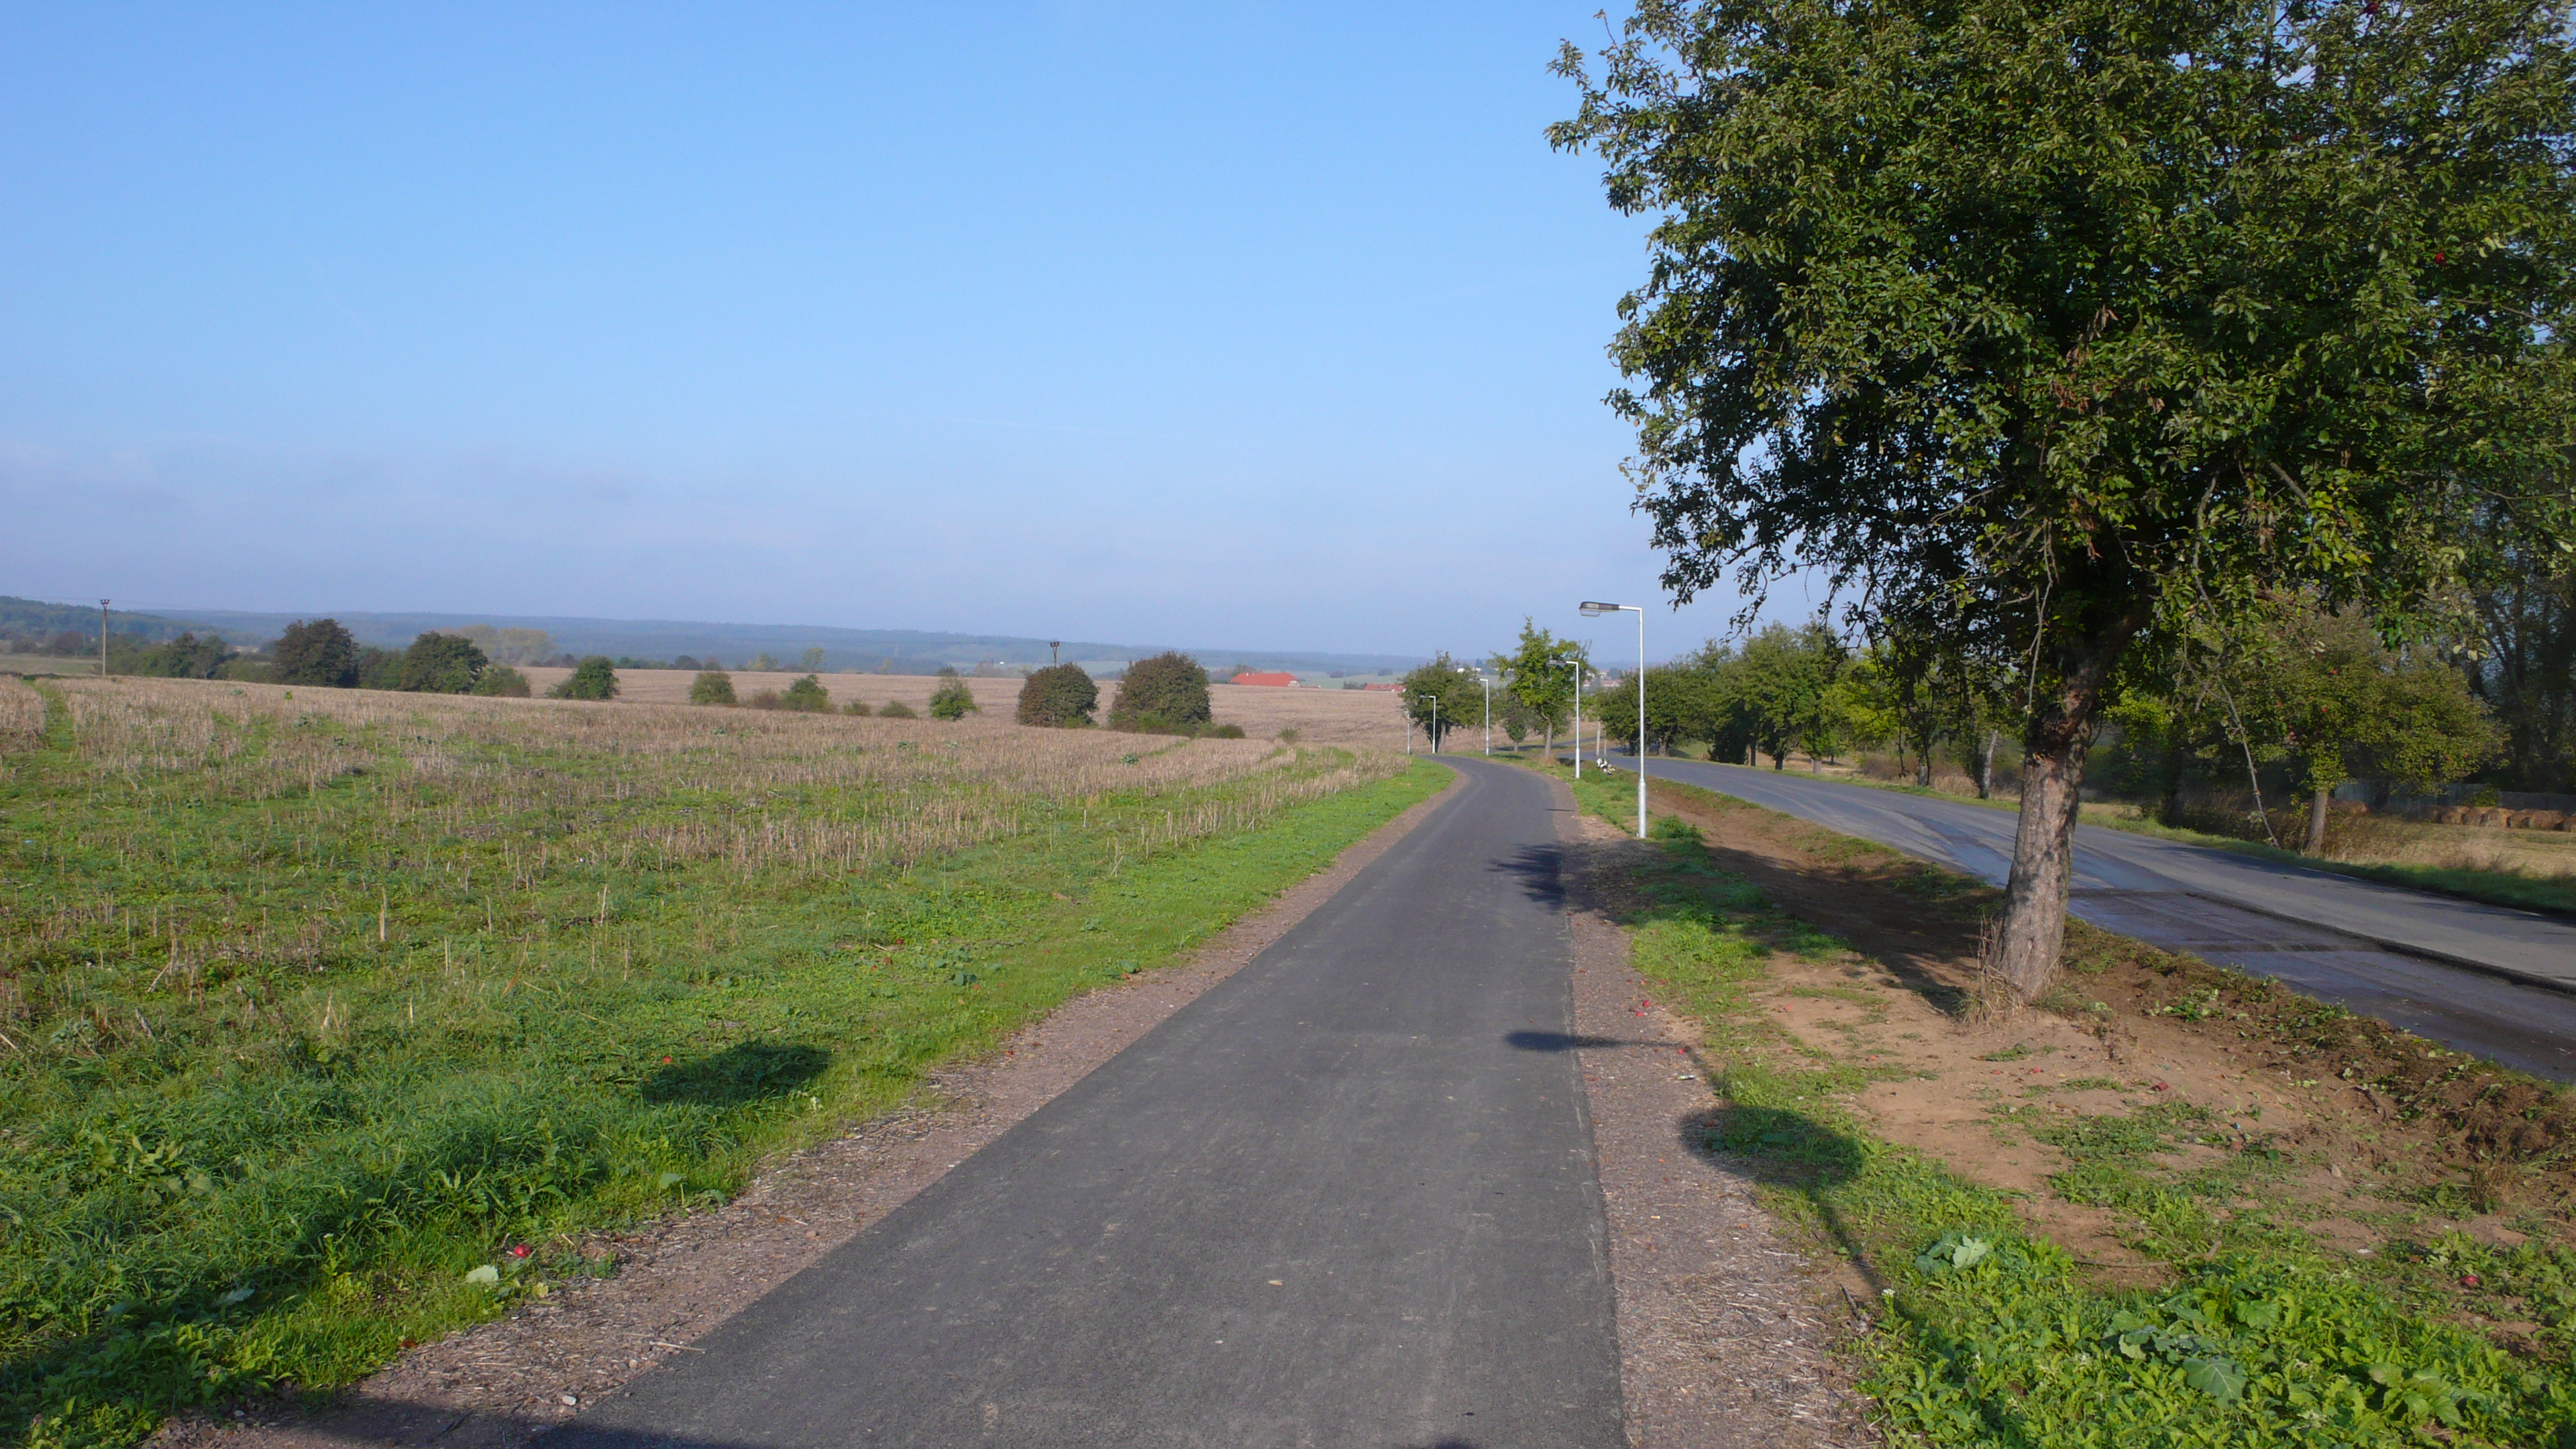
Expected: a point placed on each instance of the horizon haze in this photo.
(1282, 326)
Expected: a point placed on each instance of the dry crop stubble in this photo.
(1371, 719)
(313, 1000)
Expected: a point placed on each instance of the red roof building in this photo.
(1275, 681)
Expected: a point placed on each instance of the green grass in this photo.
(299, 1061)
(1986, 1334)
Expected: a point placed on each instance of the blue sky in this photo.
(1245, 325)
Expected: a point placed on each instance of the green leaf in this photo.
(2217, 1377)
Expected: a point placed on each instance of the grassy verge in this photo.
(2551, 894)
(331, 1028)
(1987, 1331)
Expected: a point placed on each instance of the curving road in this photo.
(2488, 979)
(1341, 1199)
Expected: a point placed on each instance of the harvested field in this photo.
(1319, 716)
(334, 1019)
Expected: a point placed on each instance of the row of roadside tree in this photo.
(2301, 706)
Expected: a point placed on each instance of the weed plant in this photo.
(1986, 1334)
(332, 1020)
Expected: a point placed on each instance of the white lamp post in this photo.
(1593, 610)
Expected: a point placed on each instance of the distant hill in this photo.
(35, 619)
(894, 650)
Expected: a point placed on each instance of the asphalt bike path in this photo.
(1345, 1198)
(2487, 979)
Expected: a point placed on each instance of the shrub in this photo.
(320, 652)
(442, 664)
(1222, 732)
(186, 657)
(712, 686)
(857, 707)
(1060, 696)
(379, 668)
(952, 700)
(1164, 695)
(500, 681)
(765, 699)
(592, 678)
(1288, 737)
(807, 696)
(896, 709)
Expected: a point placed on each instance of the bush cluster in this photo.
(1060, 696)
(1164, 695)
(807, 696)
(952, 700)
(593, 678)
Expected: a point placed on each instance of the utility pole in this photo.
(1052, 646)
(102, 638)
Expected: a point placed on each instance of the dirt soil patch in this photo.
(499, 1385)
(2363, 1134)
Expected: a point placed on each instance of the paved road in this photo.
(1329, 1203)
(2378, 949)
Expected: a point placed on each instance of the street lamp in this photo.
(1594, 610)
(1487, 681)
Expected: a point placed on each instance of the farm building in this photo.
(1275, 680)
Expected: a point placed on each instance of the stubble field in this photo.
(333, 1019)
(1373, 720)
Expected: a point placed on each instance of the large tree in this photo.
(1444, 695)
(1541, 673)
(1167, 694)
(1060, 696)
(442, 664)
(318, 652)
(2068, 332)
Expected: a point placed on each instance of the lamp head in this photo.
(1594, 610)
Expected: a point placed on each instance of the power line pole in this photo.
(102, 638)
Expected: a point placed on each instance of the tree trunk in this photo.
(2317, 801)
(2052, 772)
(1923, 761)
(1986, 765)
